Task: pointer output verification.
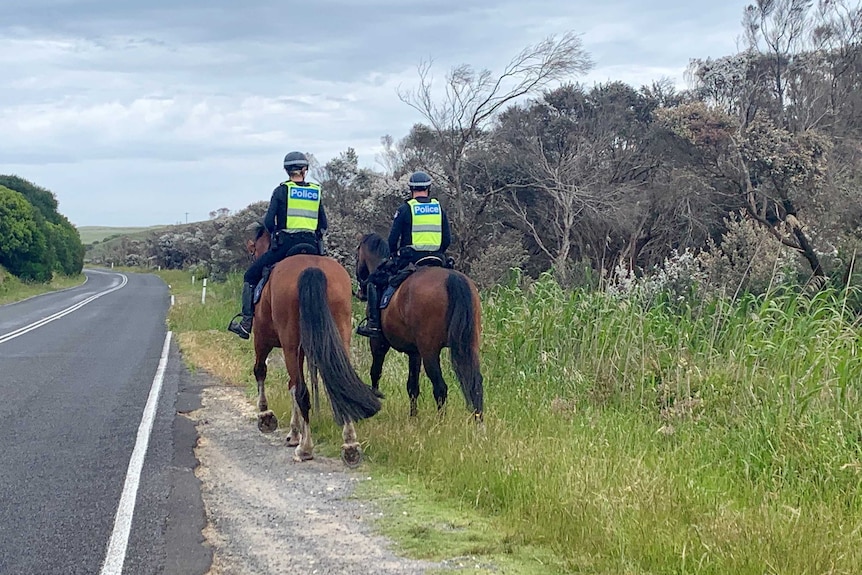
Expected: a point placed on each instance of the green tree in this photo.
(65, 252)
(67, 248)
(23, 248)
(41, 199)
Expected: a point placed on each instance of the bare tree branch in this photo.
(470, 101)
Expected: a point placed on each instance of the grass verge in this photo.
(684, 437)
(12, 289)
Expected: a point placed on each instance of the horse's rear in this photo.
(283, 309)
(305, 309)
(435, 308)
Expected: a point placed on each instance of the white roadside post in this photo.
(204, 292)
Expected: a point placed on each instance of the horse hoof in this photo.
(292, 440)
(300, 455)
(351, 454)
(267, 422)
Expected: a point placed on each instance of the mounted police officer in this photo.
(420, 229)
(295, 216)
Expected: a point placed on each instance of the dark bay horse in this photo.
(434, 308)
(305, 309)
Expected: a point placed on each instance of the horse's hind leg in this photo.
(299, 394)
(295, 436)
(314, 377)
(266, 420)
(351, 450)
(435, 374)
(414, 361)
(302, 403)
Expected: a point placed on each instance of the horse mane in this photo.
(376, 245)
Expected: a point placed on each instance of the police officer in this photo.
(420, 228)
(295, 216)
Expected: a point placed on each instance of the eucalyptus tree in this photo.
(456, 126)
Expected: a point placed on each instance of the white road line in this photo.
(35, 325)
(116, 554)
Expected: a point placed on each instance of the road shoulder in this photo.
(267, 513)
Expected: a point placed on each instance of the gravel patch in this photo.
(269, 514)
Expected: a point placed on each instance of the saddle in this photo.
(295, 250)
(431, 260)
(303, 249)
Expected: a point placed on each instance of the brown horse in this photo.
(305, 309)
(433, 308)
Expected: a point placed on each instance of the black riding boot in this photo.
(371, 326)
(243, 327)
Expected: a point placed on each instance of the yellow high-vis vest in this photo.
(303, 205)
(427, 221)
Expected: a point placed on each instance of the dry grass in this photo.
(206, 350)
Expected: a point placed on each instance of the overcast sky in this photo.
(144, 112)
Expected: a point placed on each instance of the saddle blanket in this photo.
(387, 295)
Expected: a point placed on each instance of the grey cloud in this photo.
(259, 36)
(153, 94)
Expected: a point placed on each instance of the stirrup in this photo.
(365, 330)
(237, 327)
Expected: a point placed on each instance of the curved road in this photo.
(93, 480)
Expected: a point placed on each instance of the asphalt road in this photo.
(77, 368)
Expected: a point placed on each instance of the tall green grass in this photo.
(194, 313)
(683, 437)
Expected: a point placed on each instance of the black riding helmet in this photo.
(419, 181)
(295, 161)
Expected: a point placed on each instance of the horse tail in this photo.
(350, 397)
(463, 339)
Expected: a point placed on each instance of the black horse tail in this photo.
(463, 340)
(350, 397)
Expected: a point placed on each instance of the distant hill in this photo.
(118, 243)
(216, 245)
(90, 234)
